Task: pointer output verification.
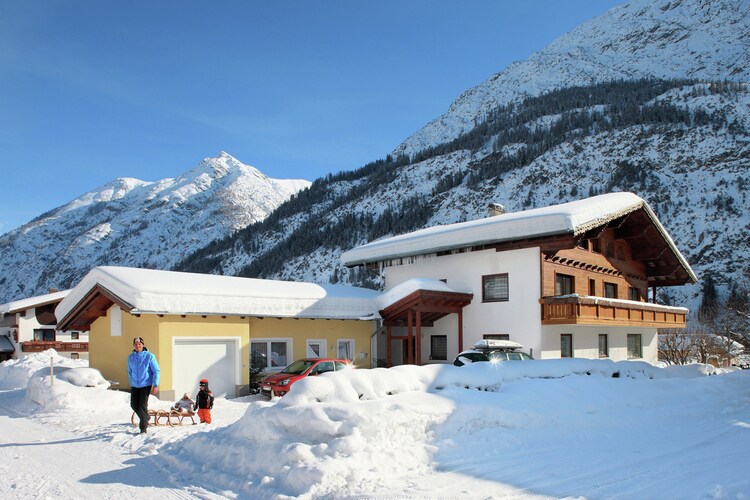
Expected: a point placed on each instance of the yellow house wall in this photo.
(299, 330)
(198, 326)
(109, 353)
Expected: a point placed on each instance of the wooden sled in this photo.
(169, 418)
(175, 417)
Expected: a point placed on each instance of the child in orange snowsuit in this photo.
(204, 401)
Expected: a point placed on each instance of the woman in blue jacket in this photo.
(143, 374)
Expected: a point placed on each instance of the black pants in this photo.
(139, 404)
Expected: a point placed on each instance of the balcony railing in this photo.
(40, 345)
(586, 310)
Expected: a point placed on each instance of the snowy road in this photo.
(37, 461)
(47, 461)
(549, 429)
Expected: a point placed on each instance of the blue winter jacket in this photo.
(143, 370)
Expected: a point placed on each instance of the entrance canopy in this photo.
(411, 306)
(430, 304)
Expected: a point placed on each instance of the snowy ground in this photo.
(540, 429)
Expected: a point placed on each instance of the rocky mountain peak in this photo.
(641, 39)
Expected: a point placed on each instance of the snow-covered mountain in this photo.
(548, 130)
(701, 39)
(639, 99)
(133, 222)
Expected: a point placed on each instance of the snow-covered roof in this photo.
(408, 287)
(168, 292)
(575, 218)
(39, 300)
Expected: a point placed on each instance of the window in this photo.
(635, 349)
(74, 335)
(44, 335)
(496, 336)
(634, 294)
(592, 288)
(563, 284)
(270, 354)
(583, 244)
(566, 345)
(315, 349)
(596, 246)
(439, 347)
(610, 290)
(603, 346)
(74, 355)
(346, 348)
(495, 288)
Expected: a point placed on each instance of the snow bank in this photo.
(15, 373)
(84, 377)
(341, 433)
(483, 430)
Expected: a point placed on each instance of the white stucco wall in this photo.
(586, 341)
(27, 323)
(519, 317)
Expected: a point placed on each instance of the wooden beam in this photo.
(631, 231)
(648, 253)
(663, 271)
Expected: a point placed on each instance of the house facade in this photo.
(571, 280)
(29, 325)
(208, 326)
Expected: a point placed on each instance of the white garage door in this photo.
(213, 359)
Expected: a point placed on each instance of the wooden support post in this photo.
(418, 346)
(409, 350)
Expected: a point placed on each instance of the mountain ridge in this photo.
(583, 116)
(138, 223)
(640, 39)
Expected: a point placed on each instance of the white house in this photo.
(29, 325)
(569, 280)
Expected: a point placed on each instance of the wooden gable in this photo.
(92, 306)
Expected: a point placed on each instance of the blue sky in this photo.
(94, 90)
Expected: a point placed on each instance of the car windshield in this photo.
(298, 367)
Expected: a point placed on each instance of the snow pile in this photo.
(84, 377)
(352, 432)
(70, 389)
(15, 373)
(545, 428)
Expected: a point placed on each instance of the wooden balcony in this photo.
(39, 346)
(586, 310)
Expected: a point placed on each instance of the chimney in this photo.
(495, 209)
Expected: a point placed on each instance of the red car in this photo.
(279, 384)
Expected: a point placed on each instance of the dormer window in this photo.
(596, 246)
